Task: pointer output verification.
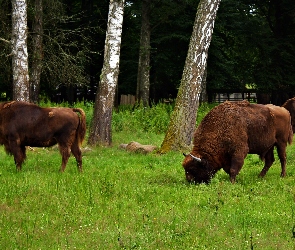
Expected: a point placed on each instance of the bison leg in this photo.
(65, 154)
(19, 154)
(268, 161)
(282, 155)
(78, 155)
(236, 165)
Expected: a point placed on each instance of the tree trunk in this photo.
(204, 96)
(100, 132)
(143, 77)
(19, 51)
(37, 52)
(183, 118)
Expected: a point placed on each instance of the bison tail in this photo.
(81, 131)
(290, 138)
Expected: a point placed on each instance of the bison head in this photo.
(196, 169)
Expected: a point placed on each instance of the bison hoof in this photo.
(233, 180)
(261, 175)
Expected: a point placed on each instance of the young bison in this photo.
(24, 124)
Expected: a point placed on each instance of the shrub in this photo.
(153, 119)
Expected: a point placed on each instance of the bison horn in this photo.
(196, 158)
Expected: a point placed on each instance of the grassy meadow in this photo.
(126, 200)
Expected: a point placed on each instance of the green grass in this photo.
(125, 200)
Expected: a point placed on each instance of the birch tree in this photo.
(19, 51)
(100, 131)
(183, 118)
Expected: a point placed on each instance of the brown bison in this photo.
(24, 124)
(232, 130)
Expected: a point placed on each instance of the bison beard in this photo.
(24, 124)
(232, 130)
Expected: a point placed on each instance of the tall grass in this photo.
(153, 119)
(125, 200)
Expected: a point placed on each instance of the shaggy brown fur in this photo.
(24, 124)
(290, 106)
(232, 130)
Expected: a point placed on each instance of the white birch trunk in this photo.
(19, 51)
(183, 119)
(100, 132)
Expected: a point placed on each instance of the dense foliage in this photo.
(129, 119)
(253, 45)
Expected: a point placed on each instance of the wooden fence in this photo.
(221, 97)
(127, 100)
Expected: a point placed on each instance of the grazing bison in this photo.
(232, 130)
(290, 106)
(24, 124)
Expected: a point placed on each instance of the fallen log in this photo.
(137, 147)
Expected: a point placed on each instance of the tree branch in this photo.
(4, 40)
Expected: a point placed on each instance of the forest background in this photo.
(252, 47)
